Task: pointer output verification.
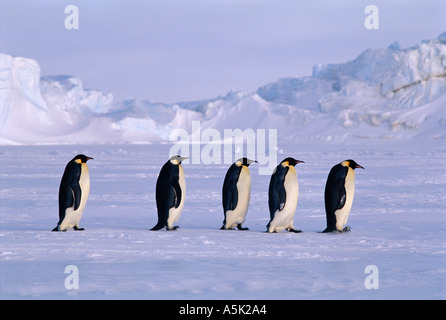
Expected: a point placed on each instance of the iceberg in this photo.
(20, 100)
(383, 93)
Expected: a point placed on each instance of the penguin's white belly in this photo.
(237, 216)
(283, 219)
(72, 217)
(174, 213)
(342, 214)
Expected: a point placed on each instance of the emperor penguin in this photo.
(170, 193)
(73, 193)
(339, 192)
(236, 194)
(283, 194)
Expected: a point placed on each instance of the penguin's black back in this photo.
(230, 192)
(335, 194)
(276, 191)
(69, 189)
(168, 192)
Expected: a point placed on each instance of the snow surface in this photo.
(397, 225)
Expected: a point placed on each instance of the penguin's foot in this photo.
(239, 226)
(347, 229)
(172, 229)
(76, 228)
(294, 230)
(58, 229)
(224, 228)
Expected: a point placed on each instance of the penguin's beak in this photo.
(251, 161)
(180, 159)
(358, 166)
(299, 161)
(89, 158)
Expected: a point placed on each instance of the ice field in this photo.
(397, 222)
(385, 109)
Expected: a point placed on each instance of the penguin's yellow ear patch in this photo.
(345, 163)
(78, 161)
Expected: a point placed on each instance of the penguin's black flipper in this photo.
(76, 188)
(230, 191)
(177, 192)
(276, 192)
(230, 196)
(335, 194)
(69, 190)
(342, 194)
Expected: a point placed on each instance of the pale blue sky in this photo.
(172, 51)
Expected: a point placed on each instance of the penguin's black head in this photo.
(352, 164)
(245, 162)
(291, 161)
(82, 158)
